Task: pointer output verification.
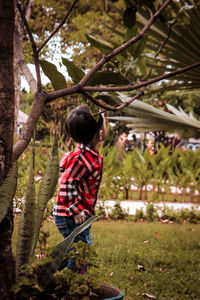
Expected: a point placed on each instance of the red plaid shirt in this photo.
(79, 182)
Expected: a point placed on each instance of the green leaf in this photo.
(100, 44)
(150, 118)
(7, 191)
(114, 30)
(142, 66)
(131, 32)
(46, 191)
(129, 16)
(185, 8)
(74, 72)
(27, 221)
(107, 77)
(109, 98)
(50, 70)
(140, 47)
(182, 47)
(156, 4)
(60, 251)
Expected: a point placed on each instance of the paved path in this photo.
(131, 206)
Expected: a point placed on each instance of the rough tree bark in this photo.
(6, 138)
(6, 85)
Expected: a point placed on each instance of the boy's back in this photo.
(79, 182)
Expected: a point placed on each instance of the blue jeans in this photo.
(66, 225)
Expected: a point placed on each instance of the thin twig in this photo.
(157, 53)
(34, 47)
(59, 26)
(149, 10)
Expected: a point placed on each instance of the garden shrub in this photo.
(151, 212)
(139, 215)
(170, 214)
(154, 213)
(100, 210)
(118, 213)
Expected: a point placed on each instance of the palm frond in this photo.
(143, 117)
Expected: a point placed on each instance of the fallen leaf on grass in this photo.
(140, 268)
(148, 296)
(158, 235)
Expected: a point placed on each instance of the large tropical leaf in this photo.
(110, 98)
(100, 44)
(181, 49)
(74, 72)
(107, 77)
(129, 16)
(143, 117)
(58, 254)
(57, 79)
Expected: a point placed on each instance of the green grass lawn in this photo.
(170, 255)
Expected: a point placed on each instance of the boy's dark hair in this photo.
(81, 126)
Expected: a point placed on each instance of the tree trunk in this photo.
(7, 263)
(6, 86)
(7, 267)
(141, 192)
(126, 193)
(146, 193)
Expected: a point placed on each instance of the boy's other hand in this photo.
(79, 219)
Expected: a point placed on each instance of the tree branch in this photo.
(139, 85)
(77, 88)
(29, 127)
(28, 8)
(35, 54)
(64, 92)
(109, 107)
(61, 24)
(121, 48)
(42, 98)
(23, 64)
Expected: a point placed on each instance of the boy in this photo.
(81, 174)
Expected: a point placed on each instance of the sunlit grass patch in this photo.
(162, 260)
